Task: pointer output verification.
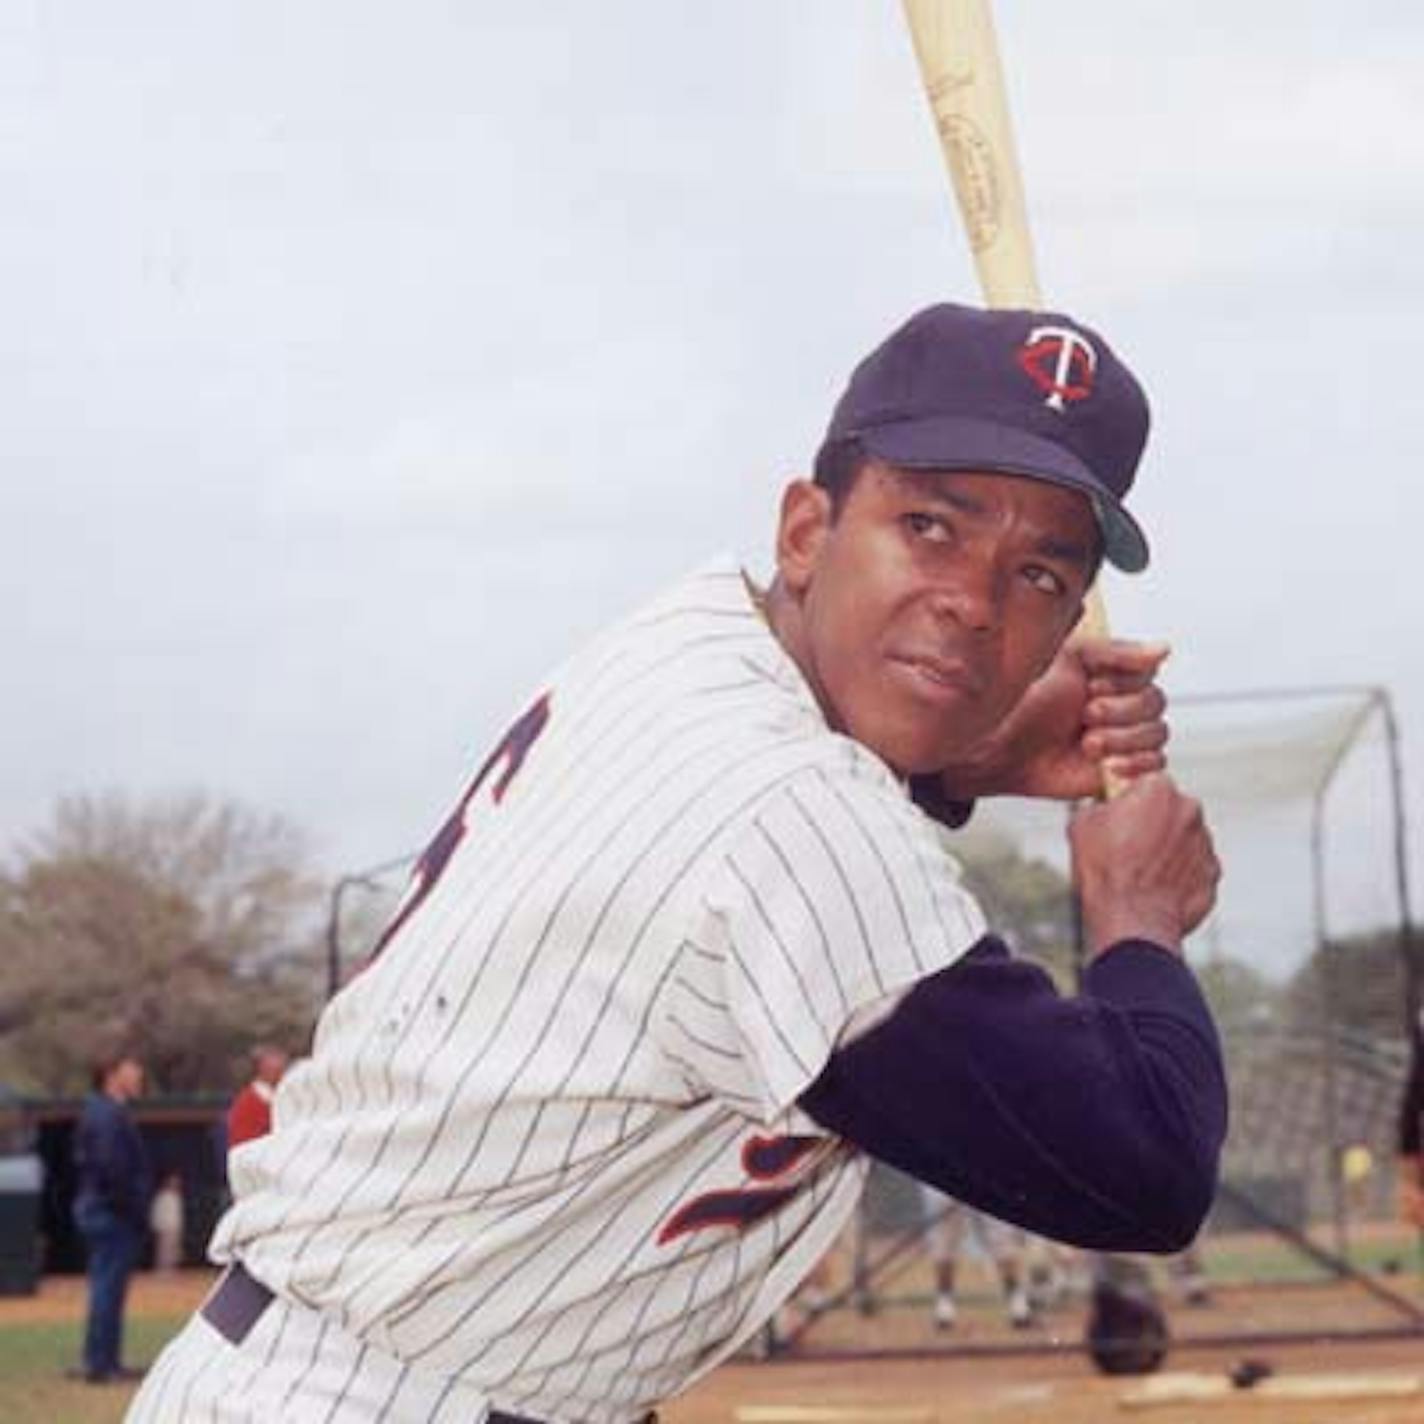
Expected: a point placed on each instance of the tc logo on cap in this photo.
(1060, 361)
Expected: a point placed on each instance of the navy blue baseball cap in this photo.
(1004, 392)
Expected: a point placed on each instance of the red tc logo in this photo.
(1061, 362)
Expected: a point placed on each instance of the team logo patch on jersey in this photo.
(789, 1162)
(1061, 362)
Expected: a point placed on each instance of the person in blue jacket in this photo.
(111, 1205)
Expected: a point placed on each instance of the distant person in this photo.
(111, 1210)
(947, 1222)
(1187, 1273)
(796, 1315)
(1055, 1271)
(166, 1221)
(250, 1115)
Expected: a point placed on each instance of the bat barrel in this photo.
(959, 62)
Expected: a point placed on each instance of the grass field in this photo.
(40, 1336)
(33, 1359)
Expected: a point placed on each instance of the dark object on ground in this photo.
(1251, 1372)
(1127, 1331)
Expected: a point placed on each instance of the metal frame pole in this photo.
(339, 887)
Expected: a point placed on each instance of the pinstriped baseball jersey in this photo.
(547, 1142)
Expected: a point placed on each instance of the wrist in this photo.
(1115, 923)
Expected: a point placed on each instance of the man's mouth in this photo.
(940, 674)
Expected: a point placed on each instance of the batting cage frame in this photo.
(384, 882)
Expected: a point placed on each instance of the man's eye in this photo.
(1045, 580)
(927, 526)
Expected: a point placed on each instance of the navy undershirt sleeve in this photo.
(1096, 1119)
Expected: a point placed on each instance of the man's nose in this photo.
(972, 596)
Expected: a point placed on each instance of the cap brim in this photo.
(961, 443)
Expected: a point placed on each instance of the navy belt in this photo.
(236, 1305)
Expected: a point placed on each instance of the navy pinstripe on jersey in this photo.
(547, 1143)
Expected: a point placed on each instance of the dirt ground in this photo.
(982, 1372)
(1063, 1389)
(61, 1298)
(985, 1370)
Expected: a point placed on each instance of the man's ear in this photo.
(805, 523)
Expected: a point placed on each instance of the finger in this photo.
(1118, 683)
(1109, 657)
(1106, 743)
(1129, 709)
(1110, 682)
(1213, 865)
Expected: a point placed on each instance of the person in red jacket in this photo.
(250, 1115)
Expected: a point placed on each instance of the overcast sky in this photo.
(359, 359)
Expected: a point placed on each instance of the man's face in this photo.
(932, 601)
(126, 1080)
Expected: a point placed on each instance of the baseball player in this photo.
(693, 944)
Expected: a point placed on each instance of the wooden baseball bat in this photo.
(964, 81)
(959, 62)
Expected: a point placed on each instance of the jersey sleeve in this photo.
(832, 898)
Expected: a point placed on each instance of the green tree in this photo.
(1028, 902)
(183, 927)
